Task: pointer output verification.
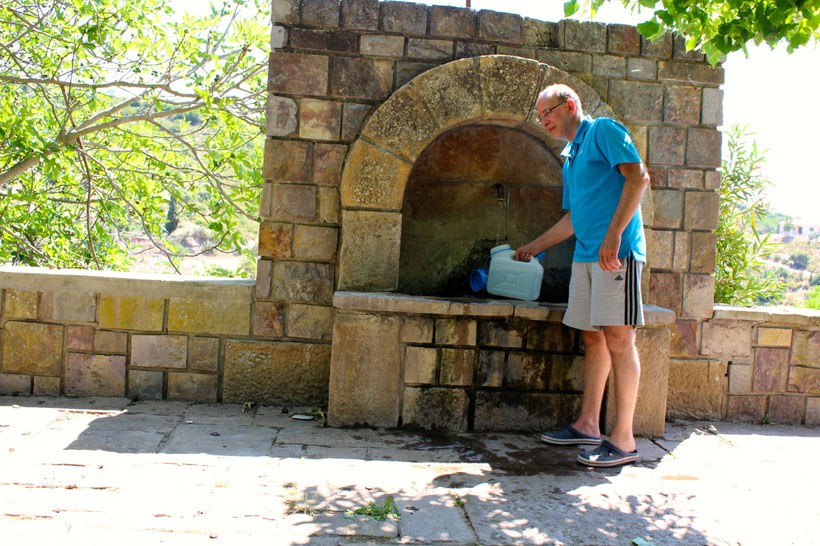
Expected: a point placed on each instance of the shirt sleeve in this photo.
(615, 143)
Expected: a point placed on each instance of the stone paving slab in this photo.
(94, 471)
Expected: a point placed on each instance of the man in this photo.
(604, 181)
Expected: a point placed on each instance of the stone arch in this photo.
(495, 89)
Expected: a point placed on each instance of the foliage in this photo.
(771, 220)
(812, 299)
(739, 275)
(800, 260)
(719, 27)
(116, 118)
(381, 513)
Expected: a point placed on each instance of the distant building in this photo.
(797, 228)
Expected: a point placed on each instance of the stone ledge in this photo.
(133, 284)
(770, 315)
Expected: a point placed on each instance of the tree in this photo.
(739, 275)
(719, 27)
(96, 135)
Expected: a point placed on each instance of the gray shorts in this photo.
(600, 298)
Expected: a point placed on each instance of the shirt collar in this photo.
(580, 133)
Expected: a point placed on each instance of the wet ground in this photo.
(98, 470)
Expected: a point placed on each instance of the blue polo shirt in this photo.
(593, 186)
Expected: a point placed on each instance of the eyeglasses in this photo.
(539, 117)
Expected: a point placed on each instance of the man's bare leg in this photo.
(597, 363)
(620, 341)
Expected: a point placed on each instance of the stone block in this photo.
(584, 36)
(315, 242)
(774, 337)
(698, 296)
(552, 337)
(353, 116)
(523, 411)
(693, 393)
(712, 108)
(499, 27)
(360, 78)
(298, 73)
(658, 176)
(806, 348)
(452, 22)
(15, 384)
(310, 321)
(280, 118)
(472, 49)
(567, 373)
(570, 61)
(320, 13)
(275, 240)
(360, 14)
(771, 370)
(364, 377)
(145, 385)
(435, 408)
(457, 366)
(80, 338)
(680, 260)
(46, 386)
(509, 86)
(685, 178)
(404, 17)
(429, 49)
(682, 105)
(205, 354)
(268, 319)
(287, 161)
(130, 313)
(382, 45)
(641, 69)
(416, 330)
(704, 252)
(661, 250)
(285, 11)
(535, 32)
(786, 410)
(420, 365)
(456, 332)
(20, 304)
(685, 341)
(373, 178)
(681, 52)
(320, 119)
(690, 73)
(728, 339)
(740, 378)
(302, 281)
(667, 145)
(703, 148)
(665, 290)
(702, 210)
(747, 408)
(264, 273)
(340, 41)
(159, 351)
(68, 306)
(94, 375)
(110, 342)
(452, 94)
(660, 48)
(197, 387)
(32, 348)
(368, 234)
(500, 334)
(805, 380)
(328, 206)
(278, 37)
(526, 370)
(490, 371)
(402, 124)
(209, 317)
(711, 180)
(610, 66)
(813, 410)
(293, 203)
(637, 101)
(624, 39)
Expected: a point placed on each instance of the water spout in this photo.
(499, 191)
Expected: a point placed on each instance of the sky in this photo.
(781, 122)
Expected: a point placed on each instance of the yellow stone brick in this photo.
(32, 348)
(373, 178)
(209, 317)
(20, 304)
(774, 337)
(130, 313)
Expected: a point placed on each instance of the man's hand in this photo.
(608, 254)
(526, 252)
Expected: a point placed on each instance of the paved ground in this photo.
(99, 471)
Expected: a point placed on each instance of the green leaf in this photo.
(649, 29)
(570, 8)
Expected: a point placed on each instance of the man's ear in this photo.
(571, 106)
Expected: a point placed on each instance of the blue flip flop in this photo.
(569, 436)
(607, 455)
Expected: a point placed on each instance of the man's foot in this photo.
(569, 436)
(607, 455)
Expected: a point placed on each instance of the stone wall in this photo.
(749, 364)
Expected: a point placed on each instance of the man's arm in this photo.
(637, 180)
(560, 231)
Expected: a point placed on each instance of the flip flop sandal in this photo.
(569, 436)
(607, 455)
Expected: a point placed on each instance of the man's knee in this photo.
(619, 339)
